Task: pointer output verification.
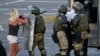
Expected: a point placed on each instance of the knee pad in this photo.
(43, 52)
(78, 49)
(78, 46)
(63, 42)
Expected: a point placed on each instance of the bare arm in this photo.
(22, 21)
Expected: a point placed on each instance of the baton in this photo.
(43, 12)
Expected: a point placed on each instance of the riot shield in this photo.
(28, 32)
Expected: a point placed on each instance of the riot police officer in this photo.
(87, 5)
(38, 31)
(82, 31)
(77, 29)
(61, 28)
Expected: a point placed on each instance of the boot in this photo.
(31, 53)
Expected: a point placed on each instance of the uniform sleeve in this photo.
(41, 20)
(56, 23)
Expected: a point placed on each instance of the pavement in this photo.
(50, 46)
(51, 7)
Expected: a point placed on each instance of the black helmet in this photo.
(78, 7)
(62, 9)
(35, 10)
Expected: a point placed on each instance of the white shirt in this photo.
(70, 15)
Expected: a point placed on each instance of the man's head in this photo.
(62, 9)
(78, 7)
(35, 10)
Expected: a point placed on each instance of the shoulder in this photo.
(57, 17)
(77, 17)
(84, 15)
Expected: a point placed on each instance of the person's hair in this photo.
(13, 15)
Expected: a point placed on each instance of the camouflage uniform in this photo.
(39, 31)
(79, 26)
(61, 32)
